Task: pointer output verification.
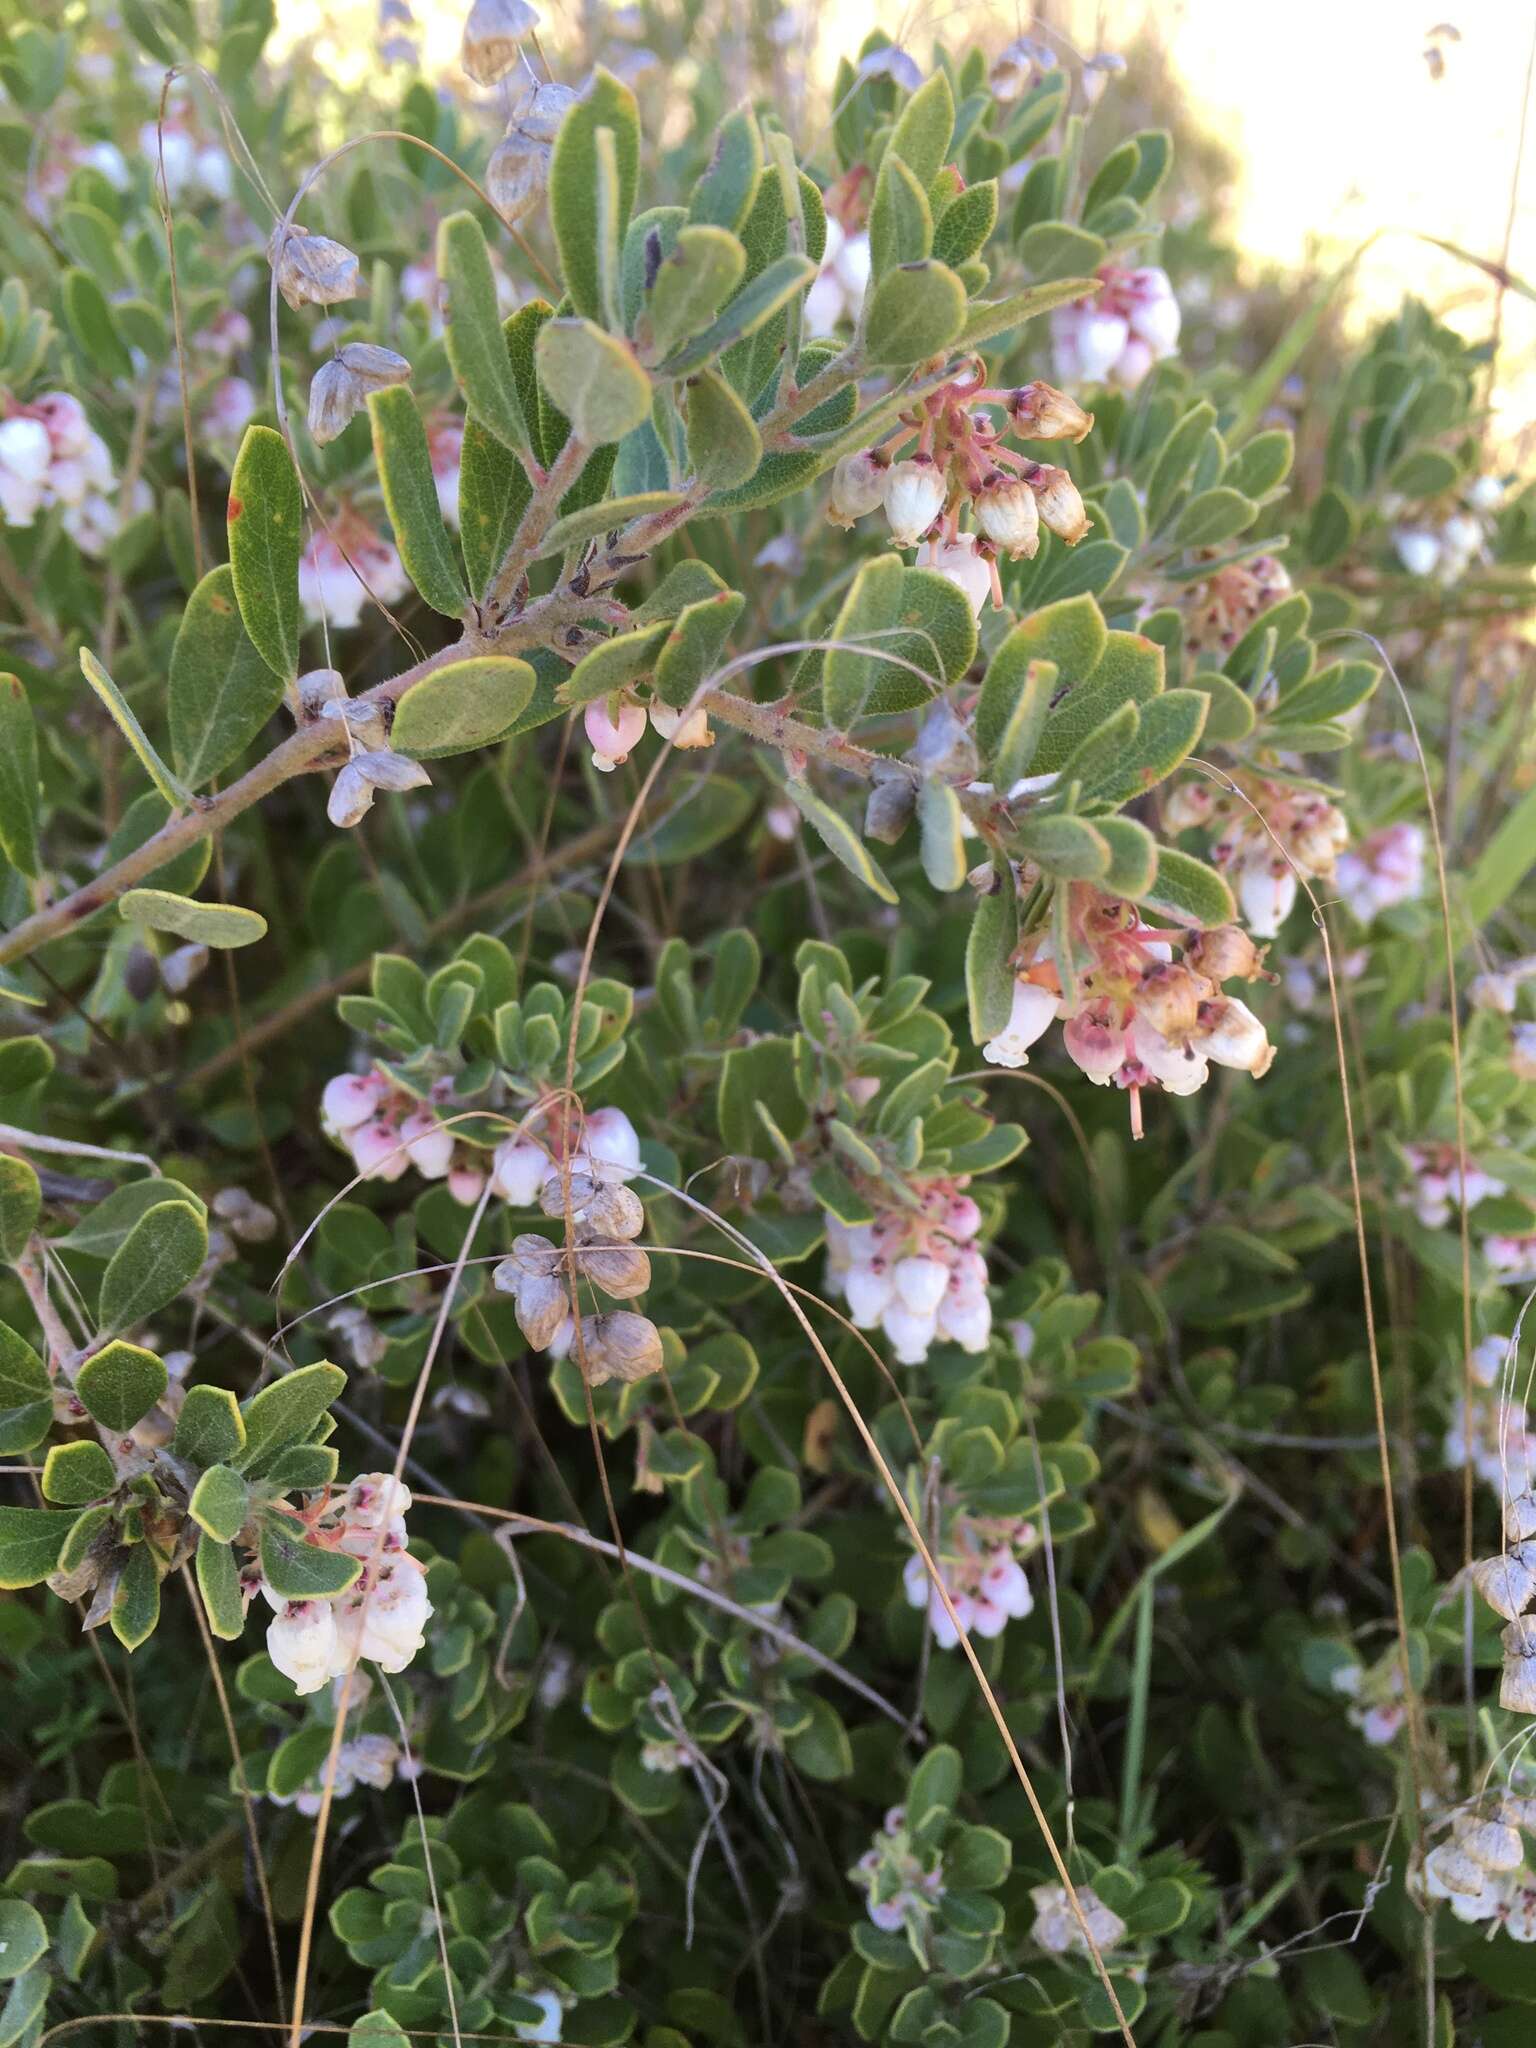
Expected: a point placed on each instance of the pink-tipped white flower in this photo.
(910, 1333)
(302, 1642)
(858, 488)
(869, 1291)
(520, 1169)
(387, 1623)
(1266, 890)
(914, 498)
(1175, 1064)
(1095, 1040)
(959, 562)
(610, 1146)
(377, 1150)
(429, 1144)
(920, 1284)
(1008, 513)
(332, 582)
(350, 1100)
(375, 1498)
(1117, 336)
(682, 728)
(613, 733)
(1034, 1009)
(1231, 1035)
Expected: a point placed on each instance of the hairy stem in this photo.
(539, 516)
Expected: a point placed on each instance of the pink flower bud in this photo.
(613, 735)
(351, 1099)
(430, 1146)
(914, 498)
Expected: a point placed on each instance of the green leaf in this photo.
(989, 969)
(296, 1570)
(990, 317)
(1188, 891)
(1503, 863)
(612, 664)
(1231, 716)
(473, 334)
(210, 1429)
(162, 1254)
(917, 311)
(1132, 856)
(757, 302)
(102, 1229)
(21, 1201)
(900, 223)
(921, 135)
(30, 1539)
(1327, 695)
(221, 691)
(692, 647)
(218, 1580)
(1332, 528)
(977, 1859)
(92, 328)
(494, 486)
(1054, 250)
(23, 1937)
(222, 925)
(410, 497)
(574, 176)
(962, 228)
(724, 446)
(286, 1412)
(266, 516)
(691, 285)
(1175, 459)
(1012, 708)
(19, 786)
(939, 818)
(464, 705)
(869, 615)
(136, 1603)
(220, 1503)
(76, 1474)
(122, 714)
(840, 839)
(377, 2030)
(593, 379)
(1212, 517)
(1170, 726)
(604, 515)
(26, 1395)
(723, 196)
(121, 1383)
(1069, 848)
(1262, 464)
(702, 813)
(935, 1785)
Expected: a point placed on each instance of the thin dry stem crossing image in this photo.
(768, 1078)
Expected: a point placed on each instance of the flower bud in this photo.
(312, 270)
(619, 1346)
(1229, 1033)
(617, 1268)
(914, 498)
(519, 1170)
(1008, 513)
(613, 732)
(517, 174)
(1168, 996)
(858, 487)
(1225, 954)
(1040, 412)
(493, 35)
(371, 367)
(1061, 506)
(334, 399)
(682, 728)
(892, 801)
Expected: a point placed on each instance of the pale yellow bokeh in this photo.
(1340, 127)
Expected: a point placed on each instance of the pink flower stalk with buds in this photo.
(1439, 1184)
(1218, 612)
(382, 1616)
(980, 1560)
(904, 1882)
(914, 1272)
(1269, 836)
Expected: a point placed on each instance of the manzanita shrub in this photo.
(764, 1209)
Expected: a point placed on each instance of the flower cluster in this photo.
(1446, 548)
(383, 1614)
(386, 1131)
(1511, 1256)
(1481, 1868)
(1492, 1435)
(903, 1881)
(1141, 1018)
(1384, 870)
(1219, 611)
(1266, 837)
(371, 1760)
(345, 564)
(959, 459)
(51, 455)
(1115, 337)
(978, 1557)
(1057, 1928)
(1439, 1184)
(1375, 1695)
(915, 1272)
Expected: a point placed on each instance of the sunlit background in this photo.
(1343, 120)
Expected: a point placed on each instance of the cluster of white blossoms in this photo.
(1219, 610)
(959, 461)
(1375, 1695)
(1493, 1434)
(1481, 1867)
(345, 564)
(387, 1131)
(372, 1760)
(1383, 871)
(915, 1272)
(1264, 843)
(903, 1883)
(384, 1613)
(51, 455)
(1511, 1256)
(1057, 1928)
(1447, 547)
(1117, 335)
(980, 1561)
(1439, 1184)
(1141, 1019)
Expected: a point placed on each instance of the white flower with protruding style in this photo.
(1034, 1010)
(302, 1642)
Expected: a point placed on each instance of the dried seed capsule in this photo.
(517, 174)
(542, 1306)
(373, 367)
(321, 686)
(1040, 412)
(944, 744)
(1061, 504)
(312, 270)
(1492, 1844)
(534, 1254)
(1225, 953)
(1517, 1693)
(552, 1199)
(616, 1212)
(492, 37)
(334, 399)
(1520, 1518)
(618, 1269)
(540, 108)
(619, 1346)
(1507, 1581)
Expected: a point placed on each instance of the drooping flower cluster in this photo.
(1447, 546)
(980, 1561)
(915, 1272)
(341, 568)
(615, 725)
(1264, 843)
(1057, 1928)
(1439, 1183)
(1375, 1695)
(1116, 336)
(371, 1760)
(903, 1881)
(383, 1614)
(387, 1131)
(1383, 871)
(1511, 1256)
(1219, 611)
(1480, 1868)
(51, 455)
(959, 460)
(1141, 1018)
(1493, 1435)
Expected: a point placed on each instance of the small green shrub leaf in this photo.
(122, 1382)
(266, 513)
(221, 690)
(464, 705)
(160, 1256)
